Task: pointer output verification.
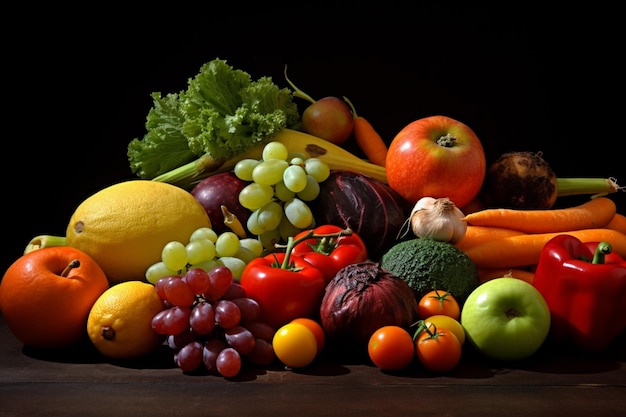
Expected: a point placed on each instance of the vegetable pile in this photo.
(368, 267)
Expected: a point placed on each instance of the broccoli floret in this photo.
(427, 264)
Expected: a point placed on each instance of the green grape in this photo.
(207, 265)
(269, 172)
(254, 195)
(174, 256)
(200, 250)
(253, 224)
(287, 230)
(269, 239)
(269, 215)
(243, 169)
(311, 191)
(294, 178)
(275, 150)
(297, 161)
(245, 254)
(298, 213)
(204, 233)
(235, 265)
(227, 244)
(283, 193)
(158, 270)
(254, 245)
(317, 168)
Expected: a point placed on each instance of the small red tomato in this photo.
(391, 348)
(439, 302)
(438, 349)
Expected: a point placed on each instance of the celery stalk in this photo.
(596, 186)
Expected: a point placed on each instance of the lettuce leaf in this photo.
(222, 113)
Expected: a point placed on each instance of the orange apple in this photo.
(46, 296)
(436, 156)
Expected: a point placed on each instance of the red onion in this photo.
(369, 207)
(362, 298)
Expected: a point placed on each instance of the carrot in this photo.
(368, 139)
(479, 234)
(593, 214)
(523, 274)
(524, 250)
(618, 222)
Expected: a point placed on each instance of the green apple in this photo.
(506, 319)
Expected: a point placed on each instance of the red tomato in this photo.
(330, 253)
(439, 302)
(391, 348)
(438, 349)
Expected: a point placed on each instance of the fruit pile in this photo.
(231, 270)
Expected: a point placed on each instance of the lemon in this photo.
(125, 226)
(120, 321)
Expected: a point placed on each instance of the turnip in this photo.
(524, 180)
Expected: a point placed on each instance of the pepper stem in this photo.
(603, 248)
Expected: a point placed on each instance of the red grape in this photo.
(227, 314)
(202, 319)
(228, 362)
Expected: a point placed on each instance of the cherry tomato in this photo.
(295, 345)
(438, 349)
(391, 348)
(316, 328)
(447, 322)
(439, 302)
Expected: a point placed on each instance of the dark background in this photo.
(79, 83)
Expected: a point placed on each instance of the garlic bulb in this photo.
(439, 219)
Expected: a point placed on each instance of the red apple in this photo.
(436, 156)
(328, 118)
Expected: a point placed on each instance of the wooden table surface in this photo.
(79, 382)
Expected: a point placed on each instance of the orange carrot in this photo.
(618, 222)
(523, 274)
(593, 214)
(368, 139)
(479, 234)
(524, 250)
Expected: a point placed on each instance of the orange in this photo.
(125, 226)
(120, 322)
(45, 305)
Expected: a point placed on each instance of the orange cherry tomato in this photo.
(438, 349)
(316, 328)
(439, 302)
(391, 348)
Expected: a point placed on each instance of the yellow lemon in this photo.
(120, 322)
(125, 226)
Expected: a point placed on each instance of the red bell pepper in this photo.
(584, 285)
(330, 248)
(286, 287)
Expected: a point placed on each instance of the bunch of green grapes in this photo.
(280, 185)
(205, 249)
